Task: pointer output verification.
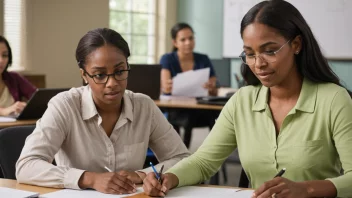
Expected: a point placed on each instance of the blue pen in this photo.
(156, 173)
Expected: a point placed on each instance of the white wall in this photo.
(54, 28)
(1, 17)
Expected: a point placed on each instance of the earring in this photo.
(297, 52)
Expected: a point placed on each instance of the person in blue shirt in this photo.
(183, 59)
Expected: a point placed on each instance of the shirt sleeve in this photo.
(341, 127)
(26, 88)
(164, 141)
(165, 62)
(35, 163)
(216, 148)
(210, 65)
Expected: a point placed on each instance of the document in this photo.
(14, 193)
(7, 119)
(68, 193)
(196, 191)
(191, 83)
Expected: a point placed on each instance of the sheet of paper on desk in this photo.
(191, 83)
(196, 191)
(68, 193)
(7, 119)
(14, 193)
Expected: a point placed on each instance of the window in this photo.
(135, 21)
(14, 15)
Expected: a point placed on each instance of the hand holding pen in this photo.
(158, 184)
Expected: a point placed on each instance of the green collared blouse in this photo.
(314, 142)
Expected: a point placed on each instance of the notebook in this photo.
(14, 193)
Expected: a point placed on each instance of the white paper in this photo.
(68, 193)
(196, 191)
(191, 83)
(14, 193)
(243, 194)
(7, 119)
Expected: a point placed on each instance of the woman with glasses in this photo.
(99, 134)
(294, 115)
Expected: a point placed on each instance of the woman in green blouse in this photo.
(293, 114)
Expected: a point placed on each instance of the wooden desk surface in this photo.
(9, 183)
(17, 123)
(185, 103)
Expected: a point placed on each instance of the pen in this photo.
(156, 173)
(160, 173)
(280, 173)
(108, 169)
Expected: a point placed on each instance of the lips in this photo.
(112, 93)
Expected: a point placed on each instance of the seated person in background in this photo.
(99, 125)
(13, 87)
(183, 59)
(294, 114)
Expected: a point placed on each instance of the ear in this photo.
(83, 75)
(297, 44)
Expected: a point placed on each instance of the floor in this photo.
(233, 169)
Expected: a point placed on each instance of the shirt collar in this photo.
(89, 109)
(306, 100)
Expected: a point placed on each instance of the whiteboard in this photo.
(330, 21)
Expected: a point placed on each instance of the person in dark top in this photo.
(183, 59)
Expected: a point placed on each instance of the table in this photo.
(17, 123)
(9, 183)
(185, 103)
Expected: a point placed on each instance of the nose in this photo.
(112, 82)
(260, 62)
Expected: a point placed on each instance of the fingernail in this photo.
(253, 195)
(163, 189)
(163, 194)
(134, 190)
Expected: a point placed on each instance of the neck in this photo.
(184, 57)
(287, 90)
(107, 109)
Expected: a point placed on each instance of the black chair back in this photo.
(11, 143)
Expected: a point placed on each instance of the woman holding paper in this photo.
(99, 127)
(184, 59)
(295, 115)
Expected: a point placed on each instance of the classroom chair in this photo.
(11, 143)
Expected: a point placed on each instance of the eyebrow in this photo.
(261, 46)
(103, 68)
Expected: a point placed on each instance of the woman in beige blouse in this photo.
(101, 124)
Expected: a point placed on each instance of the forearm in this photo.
(42, 173)
(320, 188)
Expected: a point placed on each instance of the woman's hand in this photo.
(135, 177)
(15, 109)
(109, 182)
(281, 187)
(211, 86)
(167, 86)
(152, 187)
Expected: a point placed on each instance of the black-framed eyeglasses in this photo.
(103, 78)
(269, 56)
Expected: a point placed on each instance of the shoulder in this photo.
(69, 99)
(168, 57)
(200, 56)
(330, 92)
(14, 75)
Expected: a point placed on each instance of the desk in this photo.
(185, 103)
(17, 123)
(9, 183)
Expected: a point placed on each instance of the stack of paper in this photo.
(195, 191)
(14, 193)
(191, 83)
(68, 193)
